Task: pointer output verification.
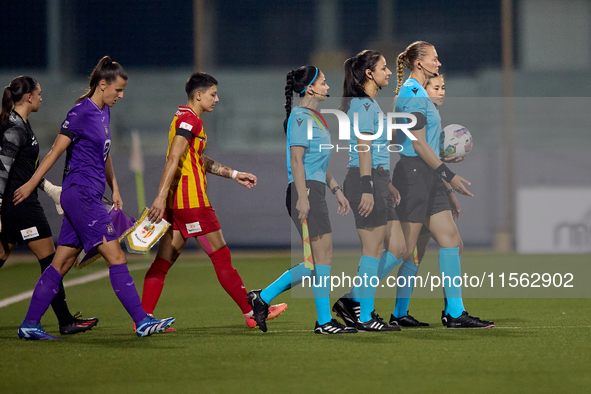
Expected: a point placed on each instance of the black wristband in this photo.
(366, 184)
(445, 173)
(335, 189)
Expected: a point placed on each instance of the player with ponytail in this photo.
(26, 223)
(86, 136)
(421, 177)
(309, 176)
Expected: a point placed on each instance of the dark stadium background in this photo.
(247, 33)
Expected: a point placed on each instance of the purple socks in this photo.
(45, 290)
(125, 290)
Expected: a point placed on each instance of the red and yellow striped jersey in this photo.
(188, 189)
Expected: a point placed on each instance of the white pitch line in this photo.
(67, 283)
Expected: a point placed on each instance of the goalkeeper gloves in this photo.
(54, 192)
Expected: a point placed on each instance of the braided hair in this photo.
(416, 50)
(297, 82)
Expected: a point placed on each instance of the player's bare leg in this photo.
(5, 250)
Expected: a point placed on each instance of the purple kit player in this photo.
(86, 136)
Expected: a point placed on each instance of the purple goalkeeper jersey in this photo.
(88, 128)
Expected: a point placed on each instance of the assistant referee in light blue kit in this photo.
(308, 173)
(367, 187)
(419, 177)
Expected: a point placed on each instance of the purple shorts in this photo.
(86, 220)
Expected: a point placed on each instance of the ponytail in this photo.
(106, 69)
(14, 93)
(355, 77)
(297, 81)
(7, 105)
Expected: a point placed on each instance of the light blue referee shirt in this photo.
(315, 159)
(414, 98)
(369, 118)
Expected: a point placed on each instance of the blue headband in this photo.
(311, 82)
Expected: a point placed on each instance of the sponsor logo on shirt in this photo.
(194, 227)
(367, 105)
(29, 233)
(186, 126)
(415, 90)
(65, 124)
(110, 228)
(299, 120)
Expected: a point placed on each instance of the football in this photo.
(455, 141)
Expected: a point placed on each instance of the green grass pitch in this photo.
(540, 345)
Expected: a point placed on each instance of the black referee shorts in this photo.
(422, 191)
(383, 210)
(424, 230)
(318, 221)
(23, 223)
